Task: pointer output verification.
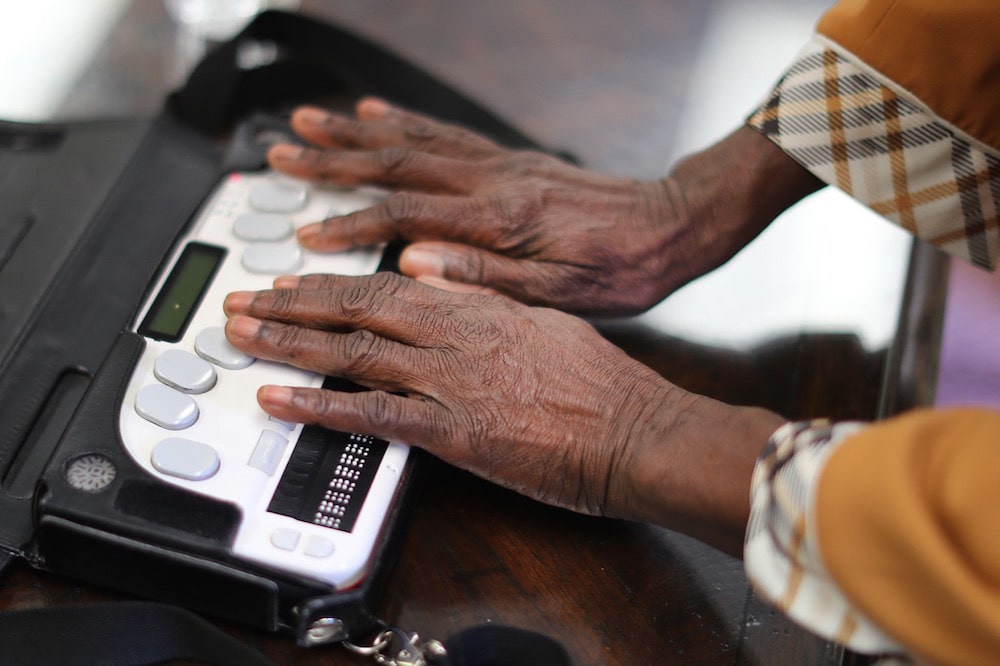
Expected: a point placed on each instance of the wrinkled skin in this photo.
(515, 394)
(531, 398)
(520, 222)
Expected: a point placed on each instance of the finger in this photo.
(427, 133)
(402, 215)
(392, 166)
(456, 287)
(376, 413)
(360, 355)
(386, 304)
(524, 280)
(379, 125)
(330, 130)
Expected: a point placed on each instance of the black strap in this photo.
(117, 634)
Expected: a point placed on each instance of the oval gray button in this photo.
(285, 538)
(263, 227)
(184, 371)
(166, 407)
(185, 459)
(318, 546)
(212, 345)
(272, 258)
(278, 197)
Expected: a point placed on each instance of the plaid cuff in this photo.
(856, 130)
(781, 555)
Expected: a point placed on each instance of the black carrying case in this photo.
(88, 211)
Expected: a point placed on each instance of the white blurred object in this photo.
(44, 46)
(213, 19)
(747, 46)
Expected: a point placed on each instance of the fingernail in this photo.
(287, 282)
(312, 116)
(309, 232)
(243, 327)
(417, 261)
(237, 301)
(275, 396)
(372, 107)
(284, 152)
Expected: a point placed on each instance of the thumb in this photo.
(469, 265)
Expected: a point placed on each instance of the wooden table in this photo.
(606, 81)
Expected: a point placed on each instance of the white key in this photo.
(279, 197)
(267, 453)
(263, 227)
(185, 459)
(285, 538)
(184, 371)
(212, 345)
(166, 407)
(317, 546)
(272, 258)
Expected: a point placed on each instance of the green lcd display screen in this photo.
(182, 292)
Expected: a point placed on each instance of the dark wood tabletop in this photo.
(607, 82)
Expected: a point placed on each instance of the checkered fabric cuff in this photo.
(781, 554)
(858, 131)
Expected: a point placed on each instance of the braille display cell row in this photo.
(329, 473)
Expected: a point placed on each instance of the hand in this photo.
(533, 399)
(522, 223)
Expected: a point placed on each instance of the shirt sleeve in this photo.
(884, 536)
(781, 553)
(896, 102)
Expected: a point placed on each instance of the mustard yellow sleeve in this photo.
(896, 102)
(944, 53)
(907, 522)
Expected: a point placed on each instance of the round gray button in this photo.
(212, 345)
(184, 371)
(166, 407)
(279, 197)
(263, 227)
(185, 459)
(272, 258)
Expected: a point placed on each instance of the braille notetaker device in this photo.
(313, 501)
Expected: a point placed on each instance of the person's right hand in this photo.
(524, 223)
(530, 398)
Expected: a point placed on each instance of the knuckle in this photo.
(515, 214)
(364, 298)
(325, 163)
(382, 409)
(356, 302)
(394, 160)
(362, 351)
(422, 133)
(400, 208)
(283, 302)
(284, 337)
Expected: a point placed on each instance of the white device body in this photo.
(230, 422)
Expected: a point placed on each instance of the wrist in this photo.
(725, 195)
(689, 464)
